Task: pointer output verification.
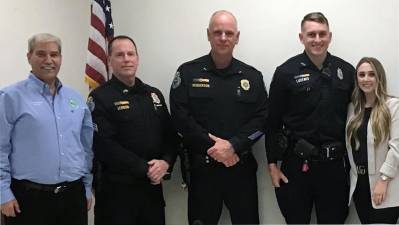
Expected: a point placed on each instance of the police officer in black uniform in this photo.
(134, 143)
(309, 95)
(218, 105)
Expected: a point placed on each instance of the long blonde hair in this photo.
(380, 116)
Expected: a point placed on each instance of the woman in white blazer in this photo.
(372, 140)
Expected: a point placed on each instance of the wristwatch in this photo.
(385, 177)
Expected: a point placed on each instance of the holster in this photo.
(304, 149)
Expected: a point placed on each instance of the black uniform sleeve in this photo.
(107, 149)
(278, 100)
(254, 127)
(171, 140)
(193, 134)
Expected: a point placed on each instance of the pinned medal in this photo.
(245, 84)
(340, 74)
(176, 81)
(73, 104)
(155, 98)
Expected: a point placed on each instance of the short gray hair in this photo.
(43, 37)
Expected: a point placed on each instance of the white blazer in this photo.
(382, 159)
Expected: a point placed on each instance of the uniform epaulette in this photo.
(196, 61)
(246, 65)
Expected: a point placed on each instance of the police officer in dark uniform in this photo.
(218, 105)
(134, 143)
(309, 95)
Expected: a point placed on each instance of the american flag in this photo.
(101, 32)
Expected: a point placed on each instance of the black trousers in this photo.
(367, 214)
(213, 185)
(39, 207)
(129, 204)
(324, 185)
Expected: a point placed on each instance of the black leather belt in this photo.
(361, 169)
(325, 152)
(54, 188)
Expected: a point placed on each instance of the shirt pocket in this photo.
(342, 91)
(200, 103)
(305, 96)
(73, 126)
(246, 98)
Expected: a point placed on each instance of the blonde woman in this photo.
(372, 139)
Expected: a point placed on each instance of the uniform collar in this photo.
(307, 63)
(233, 68)
(41, 86)
(138, 87)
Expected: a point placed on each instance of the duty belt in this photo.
(329, 152)
(54, 188)
(325, 152)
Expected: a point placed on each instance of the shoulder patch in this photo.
(155, 98)
(176, 80)
(90, 103)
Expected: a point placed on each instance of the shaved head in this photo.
(222, 13)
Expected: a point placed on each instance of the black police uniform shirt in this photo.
(229, 103)
(132, 126)
(310, 102)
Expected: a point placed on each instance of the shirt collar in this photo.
(306, 62)
(136, 88)
(41, 86)
(233, 68)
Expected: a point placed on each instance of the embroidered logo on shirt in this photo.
(302, 78)
(37, 103)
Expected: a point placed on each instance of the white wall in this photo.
(170, 32)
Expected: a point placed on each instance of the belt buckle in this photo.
(58, 189)
(328, 152)
(361, 170)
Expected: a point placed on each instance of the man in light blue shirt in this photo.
(45, 144)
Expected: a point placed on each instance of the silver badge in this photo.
(340, 74)
(245, 84)
(176, 81)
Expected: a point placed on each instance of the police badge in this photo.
(340, 74)
(176, 81)
(245, 84)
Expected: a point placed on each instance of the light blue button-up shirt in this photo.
(44, 138)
